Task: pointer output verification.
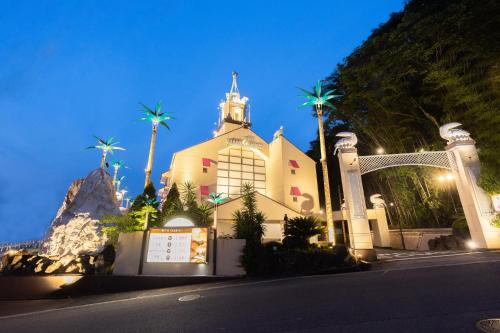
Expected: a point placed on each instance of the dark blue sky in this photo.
(72, 69)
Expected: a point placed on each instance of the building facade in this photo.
(282, 175)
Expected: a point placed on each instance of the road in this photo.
(445, 293)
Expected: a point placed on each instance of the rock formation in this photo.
(74, 230)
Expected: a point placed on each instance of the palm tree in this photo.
(117, 164)
(315, 98)
(119, 182)
(216, 199)
(156, 117)
(107, 146)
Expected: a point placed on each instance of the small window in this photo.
(205, 170)
(292, 171)
(294, 199)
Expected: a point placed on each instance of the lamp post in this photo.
(399, 224)
(216, 199)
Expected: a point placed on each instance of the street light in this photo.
(380, 150)
(216, 199)
(391, 204)
(446, 179)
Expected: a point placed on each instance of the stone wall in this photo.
(417, 239)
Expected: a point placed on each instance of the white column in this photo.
(359, 229)
(476, 203)
(381, 235)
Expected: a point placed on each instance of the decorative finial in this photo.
(234, 85)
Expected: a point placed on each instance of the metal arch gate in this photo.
(438, 159)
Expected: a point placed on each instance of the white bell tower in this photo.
(233, 112)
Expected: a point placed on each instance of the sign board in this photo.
(247, 141)
(178, 245)
(496, 202)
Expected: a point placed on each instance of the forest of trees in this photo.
(435, 62)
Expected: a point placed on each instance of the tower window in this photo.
(294, 199)
(292, 171)
(205, 170)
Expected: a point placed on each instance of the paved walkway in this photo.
(396, 255)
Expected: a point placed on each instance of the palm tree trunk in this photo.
(103, 159)
(114, 176)
(326, 182)
(150, 158)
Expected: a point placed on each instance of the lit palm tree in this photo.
(107, 146)
(216, 199)
(116, 166)
(156, 117)
(119, 182)
(318, 100)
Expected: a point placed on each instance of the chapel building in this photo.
(282, 175)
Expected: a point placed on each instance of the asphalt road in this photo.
(439, 294)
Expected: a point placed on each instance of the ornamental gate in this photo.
(460, 157)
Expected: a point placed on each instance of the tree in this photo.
(199, 214)
(318, 99)
(117, 164)
(107, 146)
(113, 225)
(156, 117)
(299, 230)
(249, 225)
(172, 205)
(432, 63)
(146, 198)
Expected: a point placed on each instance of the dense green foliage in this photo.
(298, 231)
(249, 225)
(114, 225)
(184, 204)
(140, 201)
(275, 259)
(433, 63)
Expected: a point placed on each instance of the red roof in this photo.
(205, 162)
(204, 190)
(295, 191)
(293, 164)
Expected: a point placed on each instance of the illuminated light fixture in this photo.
(441, 178)
(179, 222)
(471, 245)
(449, 176)
(380, 150)
(68, 280)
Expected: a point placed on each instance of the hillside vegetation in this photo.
(432, 63)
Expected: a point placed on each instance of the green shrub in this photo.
(299, 230)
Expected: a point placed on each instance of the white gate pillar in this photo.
(380, 228)
(359, 229)
(475, 202)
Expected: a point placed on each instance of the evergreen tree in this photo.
(140, 201)
(172, 205)
(249, 225)
(432, 63)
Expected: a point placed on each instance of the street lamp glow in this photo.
(449, 176)
(441, 178)
(380, 150)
